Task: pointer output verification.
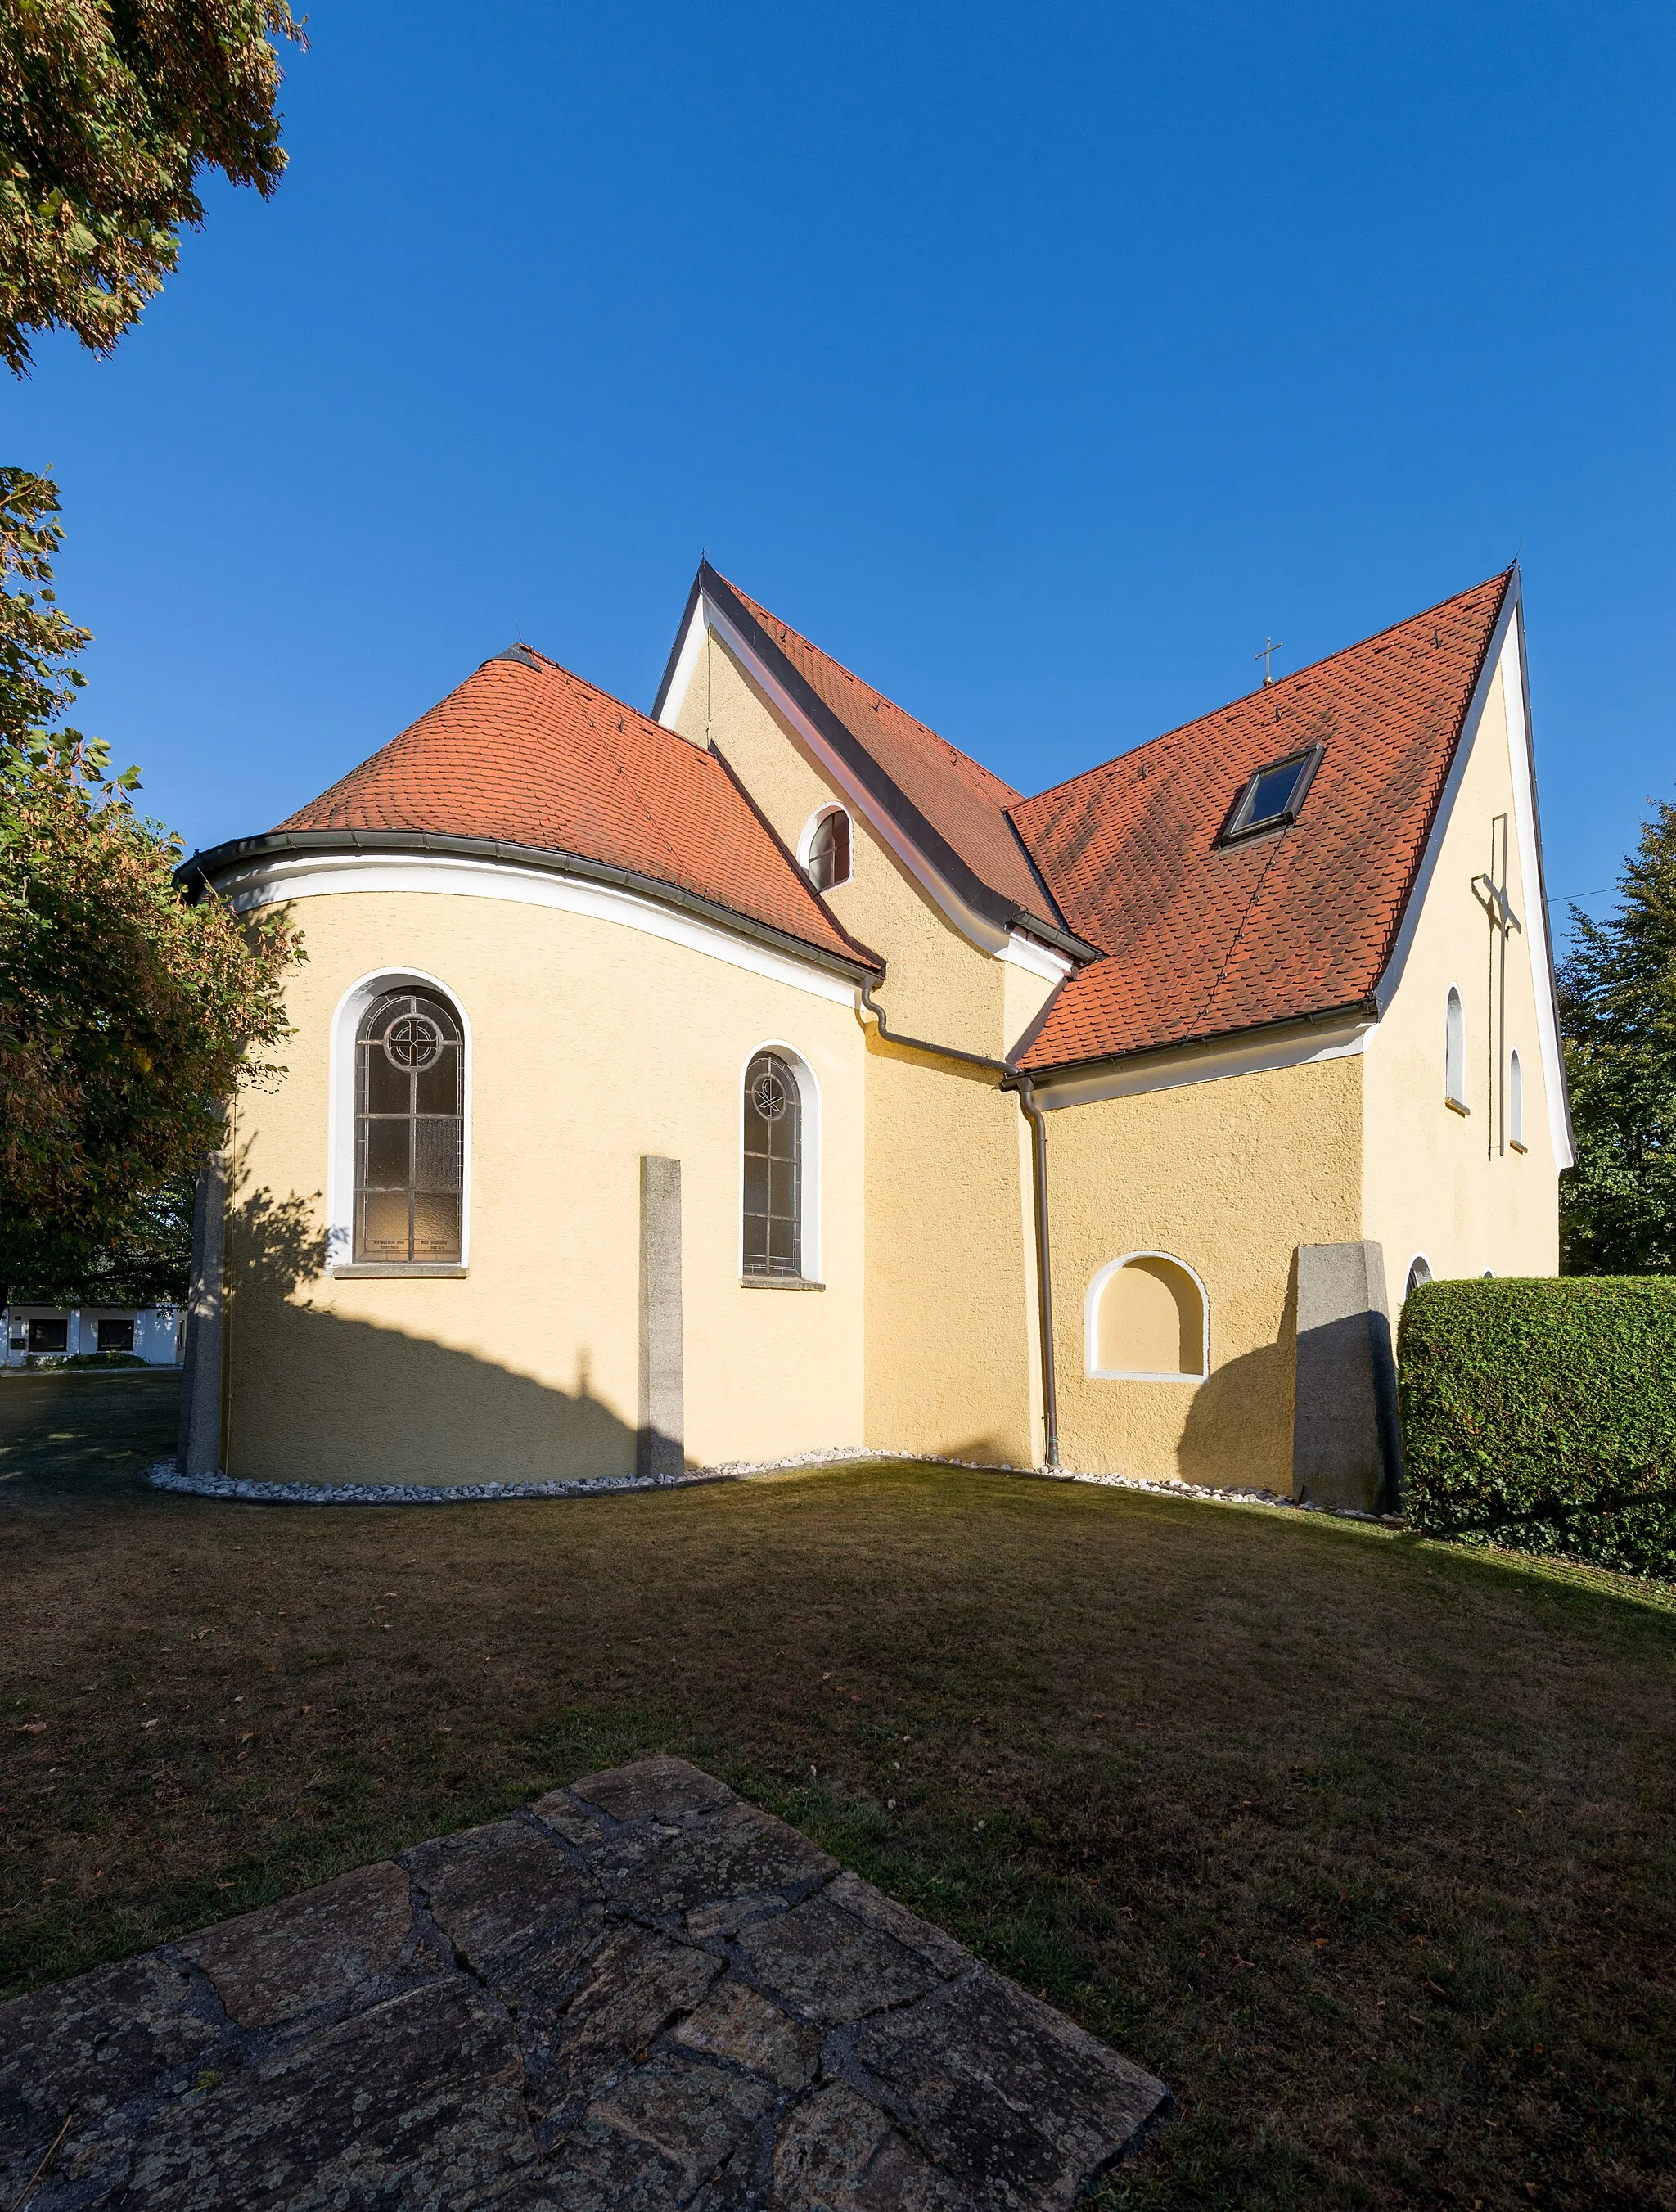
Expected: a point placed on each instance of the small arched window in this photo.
(827, 858)
(773, 1241)
(1454, 1052)
(409, 1103)
(1419, 1271)
(1515, 1102)
(1146, 1320)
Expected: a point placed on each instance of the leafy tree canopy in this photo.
(109, 109)
(1618, 1011)
(127, 1017)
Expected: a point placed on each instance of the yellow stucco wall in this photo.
(1437, 1182)
(950, 1354)
(1229, 1176)
(593, 1043)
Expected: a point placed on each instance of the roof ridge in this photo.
(1501, 577)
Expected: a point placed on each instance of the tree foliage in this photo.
(1618, 1011)
(147, 1261)
(109, 110)
(127, 1017)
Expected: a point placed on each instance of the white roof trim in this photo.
(706, 615)
(1507, 657)
(1253, 1053)
(272, 881)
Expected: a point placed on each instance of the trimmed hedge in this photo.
(1542, 1415)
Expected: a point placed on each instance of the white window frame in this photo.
(340, 1123)
(1419, 1259)
(809, 1096)
(806, 843)
(1096, 1291)
(1515, 1101)
(1455, 1050)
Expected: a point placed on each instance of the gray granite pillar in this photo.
(200, 1446)
(660, 1441)
(1346, 1439)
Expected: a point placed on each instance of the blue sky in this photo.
(1039, 363)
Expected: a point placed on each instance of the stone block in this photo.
(837, 2153)
(652, 1789)
(1016, 2101)
(494, 1890)
(826, 1965)
(90, 2047)
(699, 2118)
(652, 1997)
(1347, 1435)
(740, 1854)
(638, 1984)
(660, 1431)
(594, 2169)
(415, 2101)
(735, 2023)
(317, 1949)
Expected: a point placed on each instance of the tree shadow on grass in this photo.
(79, 1435)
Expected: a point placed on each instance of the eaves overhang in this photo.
(1364, 1009)
(1002, 913)
(193, 876)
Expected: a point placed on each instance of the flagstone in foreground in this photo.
(637, 1994)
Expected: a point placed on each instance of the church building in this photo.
(762, 1075)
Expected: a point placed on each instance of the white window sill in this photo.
(1514, 1145)
(1456, 1106)
(362, 1270)
(777, 1283)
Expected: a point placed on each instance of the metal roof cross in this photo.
(1270, 646)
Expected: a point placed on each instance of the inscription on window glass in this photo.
(410, 1092)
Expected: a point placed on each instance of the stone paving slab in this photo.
(637, 1994)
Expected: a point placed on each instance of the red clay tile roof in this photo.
(530, 754)
(964, 803)
(1200, 940)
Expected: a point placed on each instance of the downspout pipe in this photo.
(1044, 1280)
(923, 1044)
(1039, 1159)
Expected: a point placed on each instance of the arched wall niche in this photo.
(1147, 1320)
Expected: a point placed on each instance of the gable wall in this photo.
(949, 1301)
(1437, 1182)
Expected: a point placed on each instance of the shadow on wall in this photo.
(1238, 1434)
(311, 1396)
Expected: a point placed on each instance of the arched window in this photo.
(409, 1113)
(1454, 1052)
(827, 848)
(1419, 1271)
(1146, 1320)
(1515, 1102)
(773, 1241)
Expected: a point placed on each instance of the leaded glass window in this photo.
(408, 1106)
(774, 1168)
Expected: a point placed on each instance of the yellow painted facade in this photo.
(599, 1036)
(1435, 1183)
(593, 1043)
(951, 1314)
(1230, 1177)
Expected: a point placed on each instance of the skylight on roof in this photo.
(1274, 796)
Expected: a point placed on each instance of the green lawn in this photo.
(1366, 1845)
